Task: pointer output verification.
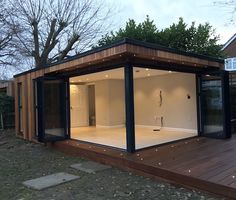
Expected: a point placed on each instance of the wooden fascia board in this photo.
(153, 54)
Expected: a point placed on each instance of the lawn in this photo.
(22, 160)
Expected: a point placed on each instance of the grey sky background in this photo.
(165, 12)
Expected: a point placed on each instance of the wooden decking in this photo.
(207, 164)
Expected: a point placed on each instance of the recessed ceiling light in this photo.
(208, 75)
(87, 79)
(106, 75)
(170, 71)
(147, 69)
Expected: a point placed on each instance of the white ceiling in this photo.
(118, 74)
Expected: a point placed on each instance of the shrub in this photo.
(6, 104)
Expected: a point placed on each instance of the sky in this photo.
(165, 12)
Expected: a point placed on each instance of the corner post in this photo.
(129, 108)
(226, 104)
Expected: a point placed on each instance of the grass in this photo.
(21, 160)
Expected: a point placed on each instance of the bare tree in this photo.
(7, 50)
(51, 30)
(229, 6)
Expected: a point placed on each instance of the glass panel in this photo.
(165, 106)
(54, 108)
(97, 108)
(212, 106)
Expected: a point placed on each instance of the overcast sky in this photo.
(165, 12)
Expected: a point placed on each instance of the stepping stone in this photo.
(49, 181)
(3, 142)
(90, 167)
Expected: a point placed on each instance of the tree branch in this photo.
(69, 46)
(35, 52)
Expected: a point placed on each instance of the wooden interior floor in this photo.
(207, 164)
(116, 137)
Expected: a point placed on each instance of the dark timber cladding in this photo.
(125, 53)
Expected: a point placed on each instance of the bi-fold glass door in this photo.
(214, 104)
(52, 109)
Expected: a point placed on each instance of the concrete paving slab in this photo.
(49, 181)
(90, 167)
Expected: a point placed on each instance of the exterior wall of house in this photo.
(177, 110)
(230, 50)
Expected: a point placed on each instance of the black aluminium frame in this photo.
(129, 108)
(35, 103)
(19, 96)
(224, 76)
(129, 96)
(40, 111)
(227, 105)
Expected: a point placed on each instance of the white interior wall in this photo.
(79, 112)
(109, 101)
(177, 110)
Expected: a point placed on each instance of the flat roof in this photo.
(123, 42)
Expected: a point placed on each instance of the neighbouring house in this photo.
(7, 87)
(128, 95)
(229, 49)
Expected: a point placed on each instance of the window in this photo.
(230, 64)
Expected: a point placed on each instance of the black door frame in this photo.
(129, 108)
(40, 107)
(224, 75)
